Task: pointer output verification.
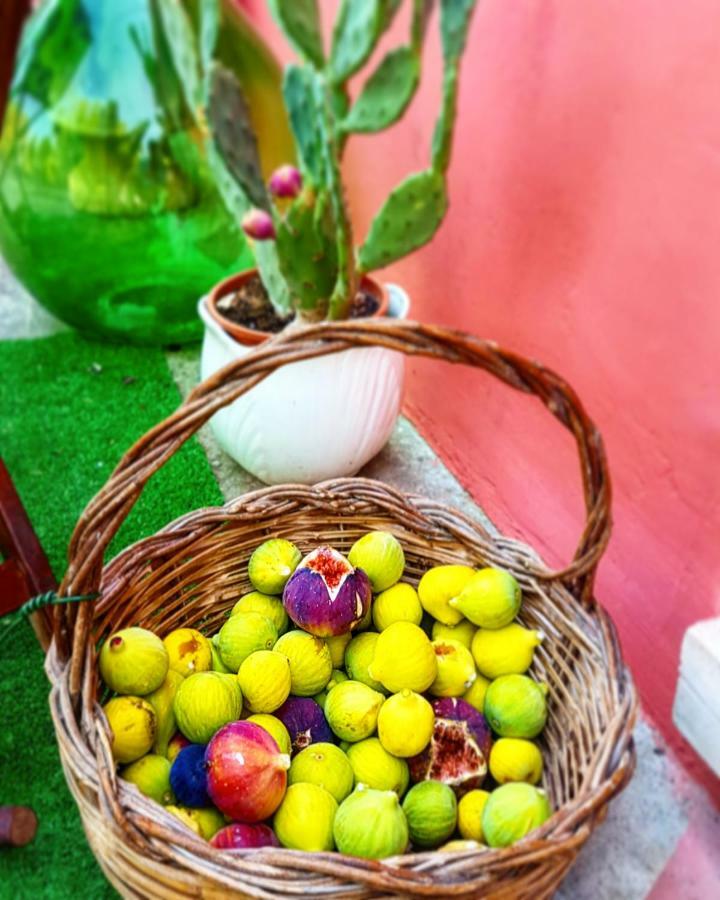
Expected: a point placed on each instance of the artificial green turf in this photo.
(69, 408)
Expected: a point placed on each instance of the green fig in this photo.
(490, 599)
(512, 811)
(515, 706)
(371, 824)
(151, 774)
(431, 811)
(133, 661)
(352, 709)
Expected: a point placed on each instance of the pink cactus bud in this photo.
(285, 182)
(258, 224)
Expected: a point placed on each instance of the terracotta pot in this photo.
(250, 337)
(309, 421)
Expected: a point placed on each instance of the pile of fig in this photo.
(339, 707)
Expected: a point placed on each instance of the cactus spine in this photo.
(305, 254)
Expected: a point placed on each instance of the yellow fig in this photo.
(515, 759)
(189, 651)
(404, 658)
(475, 694)
(470, 811)
(183, 814)
(325, 765)
(264, 679)
(405, 724)
(266, 605)
(460, 846)
(205, 822)
(217, 664)
(271, 564)
(439, 587)
(310, 662)
(463, 632)
(515, 706)
(512, 811)
(162, 701)
(243, 634)
(380, 555)
(151, 774)
(505, 651)
(133, 724)
(399, 603)
(359, 655)
(455, 669)
(351, 709)
(371, 824)
(204, 703)
(336, 645)
(336, 678)
(208, 819)
(275, 729)
(304, 819)
(373, 766)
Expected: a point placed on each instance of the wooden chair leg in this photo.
(24, 569)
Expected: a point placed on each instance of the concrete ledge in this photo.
(697, 701)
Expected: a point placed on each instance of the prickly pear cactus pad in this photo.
(304, 241)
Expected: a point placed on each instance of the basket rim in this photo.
(566, 827)
(536, 566)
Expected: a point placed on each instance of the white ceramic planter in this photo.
(309, 421)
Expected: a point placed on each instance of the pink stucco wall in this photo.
(584, 231)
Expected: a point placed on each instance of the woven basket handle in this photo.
(106, 512)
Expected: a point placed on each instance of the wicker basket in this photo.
(192, 572)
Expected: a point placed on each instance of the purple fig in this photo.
(305, 722)
(325, 595)
(459, 748)
(258, 224)
(285, 182)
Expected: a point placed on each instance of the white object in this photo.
(697, 701)
(312, 420)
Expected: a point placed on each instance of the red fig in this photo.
(246, 772)
(244, 837)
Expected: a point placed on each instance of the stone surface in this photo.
(628, 852)
(20, 315)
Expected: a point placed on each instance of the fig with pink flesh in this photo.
(459, 748)
(326, 595)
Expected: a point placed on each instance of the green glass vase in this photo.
(109, 212)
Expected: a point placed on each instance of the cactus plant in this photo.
(302, 232)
